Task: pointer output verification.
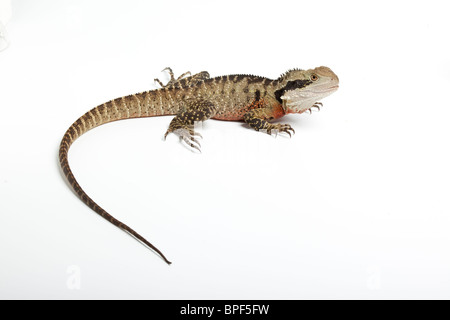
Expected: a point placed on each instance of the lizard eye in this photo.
(314, 77)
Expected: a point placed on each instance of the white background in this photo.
(355, 205)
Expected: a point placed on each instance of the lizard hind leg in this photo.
(187, 135)
(184, 79)
(183, 123)
(172, 77)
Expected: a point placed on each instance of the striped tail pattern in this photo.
(146, 104)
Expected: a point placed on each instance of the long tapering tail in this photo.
(77, 129)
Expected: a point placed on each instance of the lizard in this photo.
(194, 98)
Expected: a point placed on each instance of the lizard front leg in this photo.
(183, 123)
(258, 120)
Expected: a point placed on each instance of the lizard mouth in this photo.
(296, 96)
(301, 100)
(325, 90)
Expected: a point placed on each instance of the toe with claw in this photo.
(317, 105)
(281, 128)
(172, 77)
(187, 135)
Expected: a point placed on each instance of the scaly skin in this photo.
(255, 100)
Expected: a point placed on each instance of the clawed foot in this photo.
(278, 127)
(172, 77)
(317, 105)
(187, 135)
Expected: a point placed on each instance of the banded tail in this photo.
(146, 104)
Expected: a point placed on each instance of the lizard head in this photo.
(298, 90)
